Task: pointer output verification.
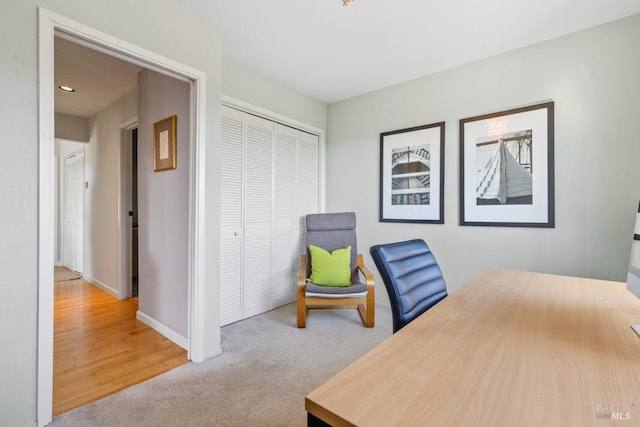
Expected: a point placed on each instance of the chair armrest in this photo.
(302, 271)
(367, 274)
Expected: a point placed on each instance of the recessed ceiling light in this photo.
(66, 88)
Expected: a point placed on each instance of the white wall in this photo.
(241, 83)
(163, 205)
(593, 77)
(188, 40)
(101, 252)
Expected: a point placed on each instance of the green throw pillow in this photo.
(330, 269)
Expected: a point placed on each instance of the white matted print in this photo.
(506, 168)
(412, 174)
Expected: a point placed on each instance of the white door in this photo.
(257, 216)
(307, 194)
(294, 195)
(73, 212)
(231, 215)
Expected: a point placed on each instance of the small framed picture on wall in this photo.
(164, 144)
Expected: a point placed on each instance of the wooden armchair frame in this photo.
(365, 305)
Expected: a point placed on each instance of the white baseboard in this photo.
(154, 324)
(101, 285)
(163, 329)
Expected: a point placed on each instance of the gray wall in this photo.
(187, 40)
(593, 77)
(72, 128)
(102, 232)
(163, 204)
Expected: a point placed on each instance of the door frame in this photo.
(49, 25)
(124, 200)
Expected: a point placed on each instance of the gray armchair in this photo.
(330, 232)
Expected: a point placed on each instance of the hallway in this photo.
(100, 348)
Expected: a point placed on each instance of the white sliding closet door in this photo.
(269, 182)
(284, 248)
(257, 214)
(307, 198)
(231, 215)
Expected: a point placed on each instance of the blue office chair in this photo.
(412, 277)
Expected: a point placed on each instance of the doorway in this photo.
(200, 336)
(134, 213)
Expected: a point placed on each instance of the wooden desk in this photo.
(507, 349)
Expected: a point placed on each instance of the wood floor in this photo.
(100, 348)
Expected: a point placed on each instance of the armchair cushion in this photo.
(330, 268)
(355, 288)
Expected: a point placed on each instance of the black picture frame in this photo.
(507, 168)
(412, 174)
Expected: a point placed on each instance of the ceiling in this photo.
(98, 79)
(332, 52)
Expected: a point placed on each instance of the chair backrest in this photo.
(412, 277)
(331, 231)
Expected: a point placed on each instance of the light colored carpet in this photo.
(61, 274)
(266, 369)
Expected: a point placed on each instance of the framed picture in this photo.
(412, 174)
(164, 144)
(506, 168)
